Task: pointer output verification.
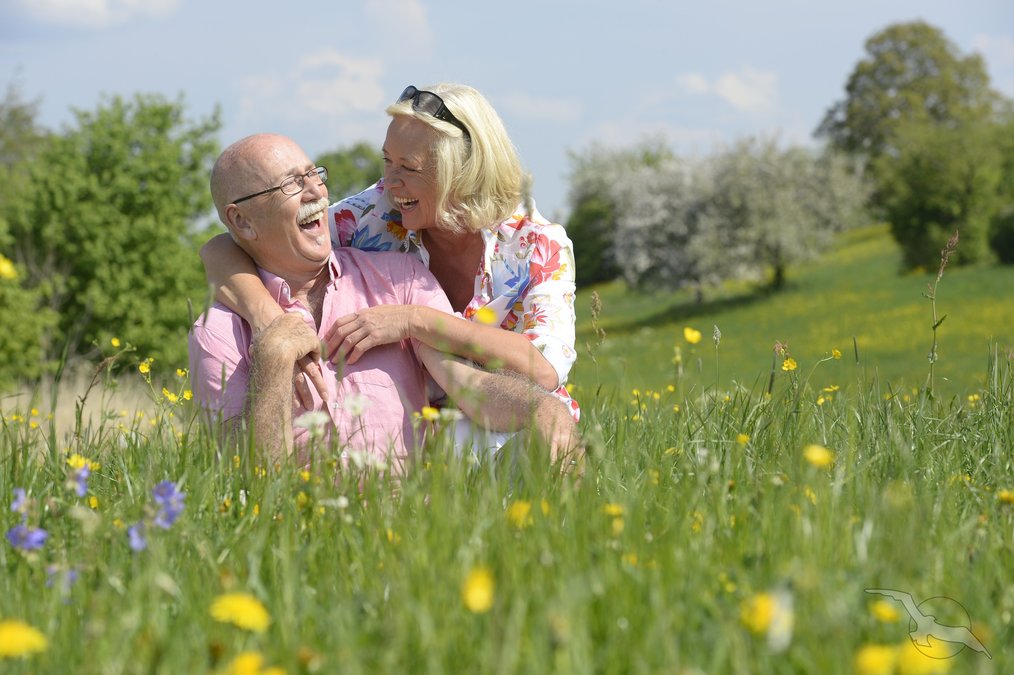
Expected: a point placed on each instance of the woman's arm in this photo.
(234, 277)
(237, 285)
(353, 335)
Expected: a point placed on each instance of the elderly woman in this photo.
(451, 194)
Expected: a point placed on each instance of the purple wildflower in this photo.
(79, 480)
(170, 503)
(27, 538)
(136, 534)
(69, 576)
(20, 503)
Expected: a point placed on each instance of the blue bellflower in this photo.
(27, 538)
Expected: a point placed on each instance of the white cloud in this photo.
(402, 26)
(748, 90)
(526, 107)
(998, 52)
(326, 83)
(94, 13)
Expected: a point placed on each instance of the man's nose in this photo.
(315, 188)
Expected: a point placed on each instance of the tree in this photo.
(592, 225)
(107, 226)
(657, 207)
(23, 319)
(351, 170)
(912, 74)
(768, 208)
(946, 179)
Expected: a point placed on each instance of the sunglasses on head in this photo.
(431, 104)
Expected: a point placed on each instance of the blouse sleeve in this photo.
(367, 221)
(545, 312)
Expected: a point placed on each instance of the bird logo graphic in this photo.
(927, 627)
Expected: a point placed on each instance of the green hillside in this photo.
(855, 291)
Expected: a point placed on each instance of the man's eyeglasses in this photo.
(292, 185)
(431, 104)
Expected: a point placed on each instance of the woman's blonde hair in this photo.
(478, 176)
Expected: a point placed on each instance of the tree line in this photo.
(919, 141)
(100, 224)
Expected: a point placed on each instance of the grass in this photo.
(855, 292)
(699, 530)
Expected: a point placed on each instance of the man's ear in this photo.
(239, 225)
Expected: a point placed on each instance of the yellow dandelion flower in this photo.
(885, 612)
(93, 503)
(485, 315)
(742, 439)
(691, 335)
(1005, 496)
(612, 509)
(757, 611)
(115, 342)
(913, 661)
(19, 639)
(836, 354)
(181, 372)
(519, 513)
(876, 659)
(429, 413)
(771, 615)
(789, 364)
(187, 395)
(241, 609)
(76, 462)
(821, 400)
(144, 367)
(818, 456)
(7, 270)
(250, 663)
(478, 590)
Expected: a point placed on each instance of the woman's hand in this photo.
(352, 335)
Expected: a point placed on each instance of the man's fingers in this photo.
(302, 390)
(310, 369)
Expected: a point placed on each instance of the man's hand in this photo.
(557, 427)
(285, 341)
(275, 353)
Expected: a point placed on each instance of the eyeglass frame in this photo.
(441, 111)
(319, 171)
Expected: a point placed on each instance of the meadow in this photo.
(736, 505)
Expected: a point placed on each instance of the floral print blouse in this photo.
(525, 282)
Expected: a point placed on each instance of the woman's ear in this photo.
(239, 225)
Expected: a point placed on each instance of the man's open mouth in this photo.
(312, 215)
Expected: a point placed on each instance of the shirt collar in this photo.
(279, 287)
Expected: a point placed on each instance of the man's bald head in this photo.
(240, 169)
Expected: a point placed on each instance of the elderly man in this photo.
(273, 201)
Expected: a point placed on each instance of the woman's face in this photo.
(410, 173)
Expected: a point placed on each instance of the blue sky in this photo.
(563, 74)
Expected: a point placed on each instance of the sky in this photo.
(563, 74)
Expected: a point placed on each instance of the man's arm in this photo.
(274, 353)
(505, 402)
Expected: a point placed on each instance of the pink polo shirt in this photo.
(371, 401)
